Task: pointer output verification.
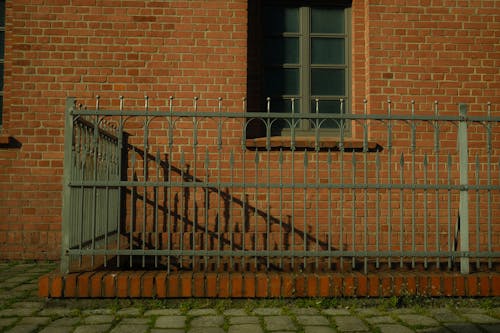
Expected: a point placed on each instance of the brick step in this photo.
(158, 284)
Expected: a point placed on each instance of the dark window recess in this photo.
(299, 53)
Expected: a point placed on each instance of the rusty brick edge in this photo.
(147, 284)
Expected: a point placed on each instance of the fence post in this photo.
(66, 198)
(463, 211)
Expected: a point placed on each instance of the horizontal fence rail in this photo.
(202, 187)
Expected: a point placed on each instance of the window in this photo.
(2, 48)
(305, 52)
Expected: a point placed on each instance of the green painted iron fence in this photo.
(212, 187)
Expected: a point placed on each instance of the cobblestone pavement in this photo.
(21, 310)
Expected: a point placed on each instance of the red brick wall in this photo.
(426, 50)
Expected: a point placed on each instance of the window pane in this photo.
(327, 82)
(327, 51)
(280, 19)
(2, 13)
(328, 107)
(2, 43)
(327, 20)
(1, 76)
(282, 51)
(282, 81)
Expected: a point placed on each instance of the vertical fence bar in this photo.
(243, 190)
(464, 194)
(365, 191)
(413, 181)
(256, 208)
(316, 149)
(219, 158)
(280, 163)
(268, 185)
(304, 213)
(169, 175)
(145, 178)
(341, 176)
(329, 170)
(377, 208)
(450, 244)
(426, 166)
(194, 208)
(230, 212)
(156, 203)
(401, 207)
(436, 152)
(478, 214)
(121, 190)
(389, 178)
(67, 197)
(353, 209)
(488, 170)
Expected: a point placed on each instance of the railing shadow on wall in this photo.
(209, 200)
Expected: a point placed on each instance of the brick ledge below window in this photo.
(285, 142)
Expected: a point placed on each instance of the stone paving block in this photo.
(130, 328)
(4, 322)
(394, 328)
(319, 329)
(57, 329)
(97, 312)
(171, 322)
(202, 312)
(98, 319)
(129, 312)
(245, 328)
(92, 328)
(494, 328)
(380, 320)
(17, 312)
(206, 330)
(304, 311)
(336, 312)
(238, 320)
(167, 330)
(446, 316)
(267, 311)
(235, 312)
(472, 310)
(23, 329)
(369, 312)
(39, 321)
(207, 321)
(312, 321)
(350, 324)
(433, 330)
(463, 327)
(30, 305)
(279, 323)
(418, 320)
(59, 312)
(67, 321)
(163, 312)
(135, 321)
(481, 318)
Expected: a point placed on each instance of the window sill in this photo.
(309, 143)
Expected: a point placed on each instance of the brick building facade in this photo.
(422, 50)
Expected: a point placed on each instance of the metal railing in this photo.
(206, 188)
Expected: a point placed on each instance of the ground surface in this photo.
(21, 310)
